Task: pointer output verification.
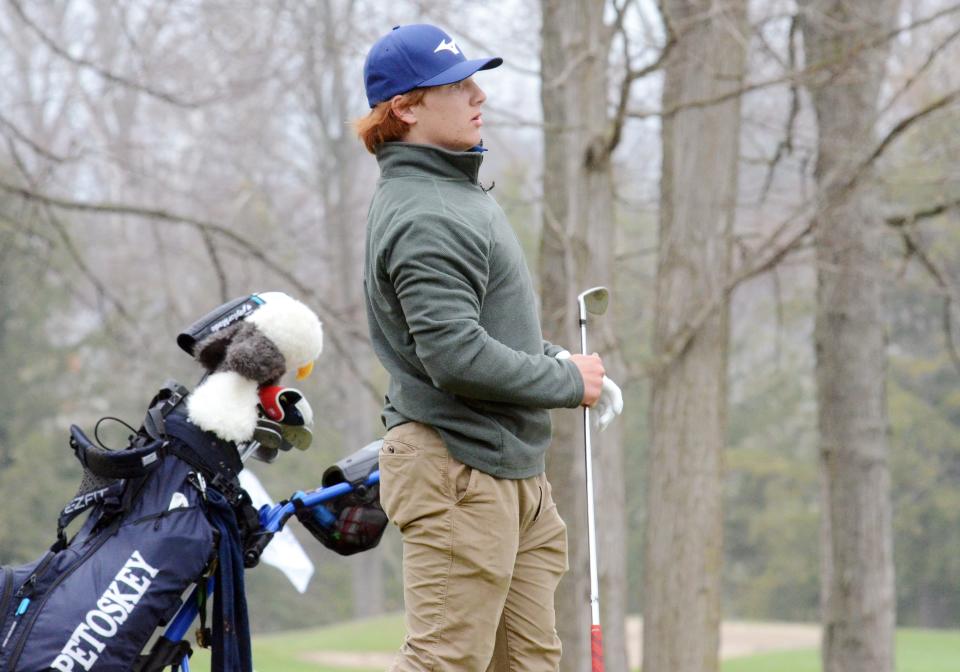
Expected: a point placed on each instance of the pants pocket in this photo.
(413, 470)
(396, 463)
(461, 479)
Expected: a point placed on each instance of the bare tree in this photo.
(857, 580)
(577, 252)
(328, 28)
(684, 543)
(576, 193)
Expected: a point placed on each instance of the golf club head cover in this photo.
(225, 403)
(286, 405)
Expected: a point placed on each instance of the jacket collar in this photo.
(399, 159)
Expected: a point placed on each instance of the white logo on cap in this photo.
(450, 46)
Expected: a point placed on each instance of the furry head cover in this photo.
(276, 335)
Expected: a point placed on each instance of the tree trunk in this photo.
(684, 539)
(857, 581)
(338, 176)
(576, 252)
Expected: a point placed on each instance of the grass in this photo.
(917, 650)
(283, 652)
(782, 661)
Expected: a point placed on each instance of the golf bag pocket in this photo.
(355, 521)
(93, 604)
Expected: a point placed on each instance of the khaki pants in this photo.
(482, 557)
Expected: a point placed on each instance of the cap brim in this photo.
(461, 71)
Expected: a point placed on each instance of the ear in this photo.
(402, 111)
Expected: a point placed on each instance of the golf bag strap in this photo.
(219, 463)
(111, 496)
(115, 464)
(162, 404)
(201, 450)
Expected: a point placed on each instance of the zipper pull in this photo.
(26, 589)
(21, 610)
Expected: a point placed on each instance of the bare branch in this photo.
(719, 99)
(899, 221)
(785, 146)
(798, 76)
(764, 258)
(761, 262)
(217, 264)
(74, 253)
(931, 57)
(950, 295)
(901, 127)
(157, 213)
(621, 257)
(631, 76)
(104, 73)
(570, 68)
(334, 331)
(30, 142)
(771, 252)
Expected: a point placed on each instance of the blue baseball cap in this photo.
(415, 56)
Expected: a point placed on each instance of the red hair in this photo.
(382, 124)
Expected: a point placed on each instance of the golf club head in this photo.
(594, 301)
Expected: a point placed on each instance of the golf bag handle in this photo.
(130, 463)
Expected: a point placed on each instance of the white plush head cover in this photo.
(293, 328)
(225, 404)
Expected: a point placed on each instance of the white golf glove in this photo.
(610, 403)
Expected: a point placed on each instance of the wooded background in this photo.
(770, 189)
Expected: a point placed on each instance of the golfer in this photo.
(453, 317)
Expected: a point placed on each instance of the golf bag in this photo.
(152, 530)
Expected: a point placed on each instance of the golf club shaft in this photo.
(596, 636)
(591, 527)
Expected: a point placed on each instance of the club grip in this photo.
(596, 649)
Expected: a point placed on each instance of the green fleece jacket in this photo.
(453, 315)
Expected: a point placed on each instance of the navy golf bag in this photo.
(91, 603)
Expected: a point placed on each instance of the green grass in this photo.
(783, 661)
(384, 633)
(928, 650)
(283, 652)
(917, 650)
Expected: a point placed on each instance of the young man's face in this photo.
(449, 116)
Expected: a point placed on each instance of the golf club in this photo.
(594, 302)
